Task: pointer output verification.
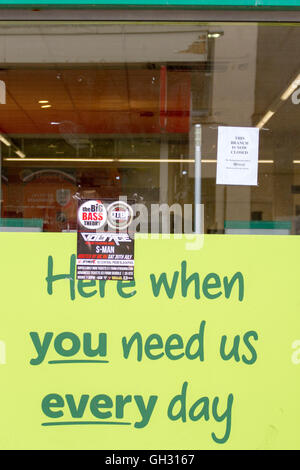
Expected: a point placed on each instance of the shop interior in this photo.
(102, 110)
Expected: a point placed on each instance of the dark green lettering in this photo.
(41, 348)
(170, 346)
(228, 285)
(58, 344)
(226, 415)
(208, 285)
(153, 341)
(53, 400)
(185, 282)
(70, 276)
(162, 280)
(100, 350)
(99, 402)
(246, 338)
(77, 411)
(128, 345)
(121, 285)
(83, 284)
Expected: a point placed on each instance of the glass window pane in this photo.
(110, 109)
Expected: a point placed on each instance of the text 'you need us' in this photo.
(184, 404)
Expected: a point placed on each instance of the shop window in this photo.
(109, 110)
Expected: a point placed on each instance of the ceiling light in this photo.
(278, 101)
(72, 160)
(124, 160)
(155, 160)
(214, 35)
(5, 140)
(46, 106)
(290, 90)
(265, 119)
(43, 101)
(20, 153)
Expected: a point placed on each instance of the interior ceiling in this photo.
(93, 101)
(127, 100)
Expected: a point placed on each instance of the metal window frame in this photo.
(145, 14)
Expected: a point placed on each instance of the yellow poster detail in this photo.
(201, 351)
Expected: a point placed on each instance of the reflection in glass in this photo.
(104, 110)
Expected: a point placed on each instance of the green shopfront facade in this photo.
(102, 99)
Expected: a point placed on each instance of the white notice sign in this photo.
(237, 155)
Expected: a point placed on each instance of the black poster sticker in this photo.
(105, 249)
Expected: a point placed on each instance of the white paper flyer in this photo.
(237, 159)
